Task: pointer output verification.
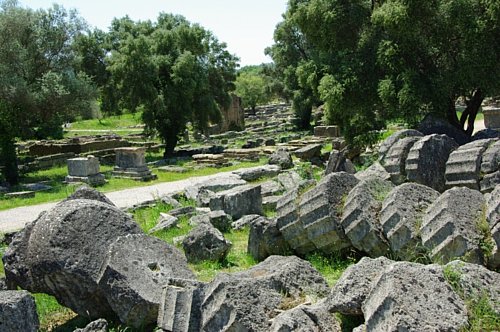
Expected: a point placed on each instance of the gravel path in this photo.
(15, 219)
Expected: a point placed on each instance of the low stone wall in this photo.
(45, 148)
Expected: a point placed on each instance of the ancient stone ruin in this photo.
(85, 169)
(131, 164)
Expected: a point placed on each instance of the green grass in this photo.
(60, 190)
(109, 123)
(331, 267)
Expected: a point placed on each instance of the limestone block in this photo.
(205, 242)
(360, 216)
(319, 212)
(18, 312)
(401, 217)
(391, 140)
(238, 201)
(395, 159)
(426, 162)
(413, 297)
(83, 166)
(450, 226)
(463, 167)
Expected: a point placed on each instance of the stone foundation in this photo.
(131, 164)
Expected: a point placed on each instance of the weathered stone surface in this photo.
(166, 221)
(290, 180)
(205, 242)
(132, 276)
(270, 188)
(85, 192)
(449, 229)
(203, 198)
(180, 308)
(287, 218)
(413, 297)
(337, 162)
(217, 184)
(131, 163)
(244, 221)
(85, 169)
(270, 202)
(389, 141)
(255, 173)
(426, 162)
(463, 167)
(485, 133)
(220, 220)
(395, 159)
(3, 284)
(490, 167)
(475, 281)
(18, 312)
(374, 171)
(308, 152)
(100, 325)
(245, 301)
(357, 281)
(320, 212)
(433, 125)
(282, 158)
(493, 217)
(169, 200)
(61, 253)
(310, 318)
(360, 216)
(183, 211)
(238, 201)
(401, 217)
(265, 239)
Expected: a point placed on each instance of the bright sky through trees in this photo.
(246, 26)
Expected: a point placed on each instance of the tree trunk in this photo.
(9, 160)
(451, 114)
(170, 144)
(470, 113)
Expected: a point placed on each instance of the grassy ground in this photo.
(120, 124)
(55, 178)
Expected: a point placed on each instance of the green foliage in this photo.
(482, 316)
(373, 62)
(251, 88)
(39, 87)
(174, 70)
(486, 243)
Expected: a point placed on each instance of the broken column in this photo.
(131, 164)
(85, 169)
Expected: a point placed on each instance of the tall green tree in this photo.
(39, 88)
(251, 87)
(382, 60)
(175, 71)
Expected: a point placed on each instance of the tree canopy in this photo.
(174, 71)
(39, 88)
(376, 61)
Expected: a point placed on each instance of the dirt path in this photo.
(15, 219)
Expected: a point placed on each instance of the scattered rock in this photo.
(306, 317)
(282, 158)
(183, 211)
(270, 188)
(433, 125)
(165, 222)
(220, 220)
(401, 217)
(238, 201)
(374, 171)
(395, 159)
(413, 297)
(290, 180)
(337, 162)
(463, 167)
(244, 221)
(474, 282)
(100, 325)
(450, 229)
(485, 133)
(85, 192)
(216, 184)
(18, 312)
(265, 239)
(309, 152)
(493, 217)
(205, 242)
(391, 140)
(131, 278)
(255, 173)
(270, 202)
(426, 162)
(357, 281)
(62, 251)
(172, 202)
(360, 216)
(490, 168)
